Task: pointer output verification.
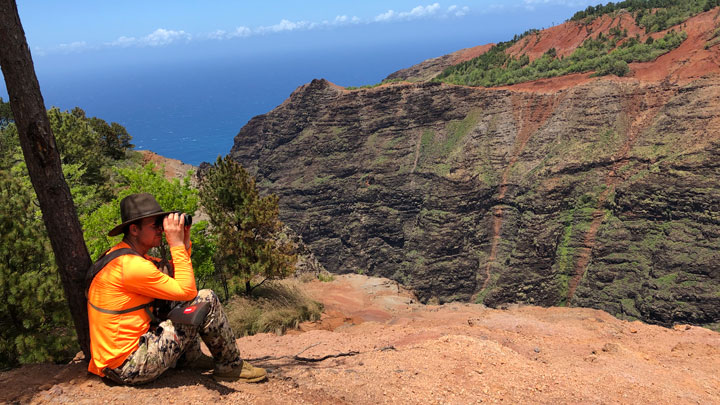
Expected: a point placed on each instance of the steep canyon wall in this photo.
(603, 195)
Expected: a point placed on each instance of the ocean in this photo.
(192, 111)
(188, 101)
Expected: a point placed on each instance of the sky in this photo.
(54, 27)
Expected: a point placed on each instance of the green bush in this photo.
(6, 115)
(35, 325)
(171, 194)
(246, 226)
(613, 67)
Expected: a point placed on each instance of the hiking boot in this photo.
(246, 373)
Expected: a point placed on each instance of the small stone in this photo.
(537, 350)
(611, 348)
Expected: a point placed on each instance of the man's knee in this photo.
(207, 295)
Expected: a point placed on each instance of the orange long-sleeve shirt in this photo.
(126, 282)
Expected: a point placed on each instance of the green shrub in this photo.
(325, 277)
(613, 67)
(35, 325)
(653, 15)
(246, 226)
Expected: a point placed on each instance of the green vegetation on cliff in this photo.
(653, 15)
(604, 54)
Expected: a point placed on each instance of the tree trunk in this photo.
(43, 163)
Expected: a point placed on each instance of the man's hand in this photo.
(174, 229)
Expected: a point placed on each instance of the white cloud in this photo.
(239, 32)
(432, 10)
(287, 25)
(458, 11)
(163, 37)
(218, 34)
(386, 16)
(421, 11)
(159, 37)
(124, 42)
(76, 46)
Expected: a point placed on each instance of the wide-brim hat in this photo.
(134, 207)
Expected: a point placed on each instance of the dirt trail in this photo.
(398, 351)
(531, 113)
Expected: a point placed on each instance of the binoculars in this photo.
(188, 219)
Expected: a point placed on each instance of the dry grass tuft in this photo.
(274, 307)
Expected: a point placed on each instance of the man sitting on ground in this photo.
(124, 347)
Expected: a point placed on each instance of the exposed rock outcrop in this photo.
(430, 68)
(602, 194)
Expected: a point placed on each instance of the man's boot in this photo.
(245, 373)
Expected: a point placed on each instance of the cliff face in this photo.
(597, 192)
(604, 195)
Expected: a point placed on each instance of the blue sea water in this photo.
(192, 110)
(188, 101)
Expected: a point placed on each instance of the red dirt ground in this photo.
(174, 169)
(470, 53)
(390, 349)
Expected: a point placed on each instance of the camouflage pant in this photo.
(161, 349)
